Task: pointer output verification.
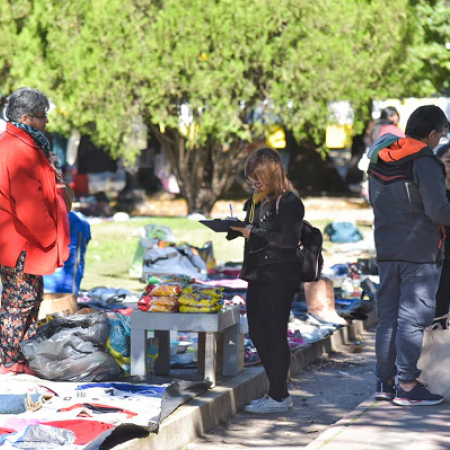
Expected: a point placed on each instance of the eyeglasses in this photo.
(256, 185)
(44, 117)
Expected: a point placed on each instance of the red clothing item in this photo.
(85, 430)
(393, 129)
(33, 214)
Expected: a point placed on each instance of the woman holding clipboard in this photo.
(273, 227)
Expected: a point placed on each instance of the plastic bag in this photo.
(432, 362)
(71, 349)
(165, 289)
(201, 309)
(195, 299)
(158, 304)
(173, 277)
(171, 260)
(205, 289)
(119, 344)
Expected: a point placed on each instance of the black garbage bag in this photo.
(72, 349)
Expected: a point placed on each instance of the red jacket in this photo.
(33, 215)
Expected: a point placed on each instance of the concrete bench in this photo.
(225, 322)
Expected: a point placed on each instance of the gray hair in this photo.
(26, 101)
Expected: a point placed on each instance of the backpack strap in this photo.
(277, 204)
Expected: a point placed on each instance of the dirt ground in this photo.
(322, 395)
(341, 208)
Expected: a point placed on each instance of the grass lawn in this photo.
(110, 253)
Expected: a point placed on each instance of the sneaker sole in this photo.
(252, 410)
(384, 396)
(408, 402)
(254, 402)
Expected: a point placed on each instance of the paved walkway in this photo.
(381, 425)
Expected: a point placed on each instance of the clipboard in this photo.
(222, 225)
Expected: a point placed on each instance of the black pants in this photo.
(443, 293)
(268, 309)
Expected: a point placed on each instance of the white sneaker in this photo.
(267, 405)
(290, 402)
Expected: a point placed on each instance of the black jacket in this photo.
(269, 253)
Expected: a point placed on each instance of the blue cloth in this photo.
(19, 403)
(148, 390)
(62, 280)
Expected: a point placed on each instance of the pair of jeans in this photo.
(406, 306)
(268, 310)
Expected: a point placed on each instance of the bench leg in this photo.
(162, 363)
(138, 363)
(231, 351)
(210, 357)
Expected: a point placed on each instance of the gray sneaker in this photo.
(267, 405)
(290, 402)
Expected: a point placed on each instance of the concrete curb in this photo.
(228, 398)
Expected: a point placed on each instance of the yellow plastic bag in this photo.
(202, 309)
(198, 288)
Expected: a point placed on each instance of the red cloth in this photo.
(6, 431)
(99, 408)
(393, 129)
(32, 209)
(85, 430)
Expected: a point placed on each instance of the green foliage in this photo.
(105, 63)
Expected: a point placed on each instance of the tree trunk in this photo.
(204, 172)
(311, 174)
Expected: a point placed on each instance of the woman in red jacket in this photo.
(34, 238)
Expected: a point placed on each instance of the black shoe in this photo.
(417, 396)
(385, 391)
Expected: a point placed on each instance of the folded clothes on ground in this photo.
(19, 403)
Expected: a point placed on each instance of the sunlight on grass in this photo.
(110, 253)
(111, 250)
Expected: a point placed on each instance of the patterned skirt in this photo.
(21, 298)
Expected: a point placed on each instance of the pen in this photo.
(231, 211)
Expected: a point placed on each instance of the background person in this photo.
(34, 238)
(408, 195)
(360, 145)
(271, 270)
(443, 293)
(387, 123)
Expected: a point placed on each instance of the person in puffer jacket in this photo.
(407, 186)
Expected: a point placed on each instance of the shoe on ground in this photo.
(5, 370)
(289, 401)
(17, 368)
(268, 405)
(385, 391)
(417, 396)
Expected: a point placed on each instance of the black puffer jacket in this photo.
(269, 253)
